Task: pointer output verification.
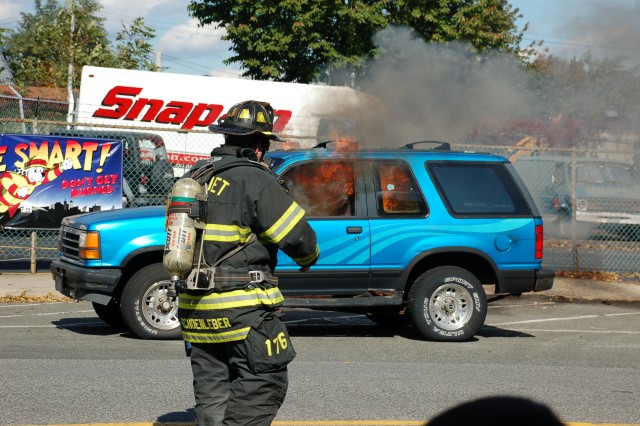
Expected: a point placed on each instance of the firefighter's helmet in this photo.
(246, 118)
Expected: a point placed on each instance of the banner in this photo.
(46, 178)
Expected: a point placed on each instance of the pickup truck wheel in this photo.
(109, 313)
(447, 304)
(147, 310)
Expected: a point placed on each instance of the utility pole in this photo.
(70, 99)
(159, 61)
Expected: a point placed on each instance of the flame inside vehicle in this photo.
(323, 189)
(397, 193)
(327, 188)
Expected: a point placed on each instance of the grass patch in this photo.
(25, 297)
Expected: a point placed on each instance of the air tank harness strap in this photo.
(225, 278)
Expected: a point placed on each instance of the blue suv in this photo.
(406, 234)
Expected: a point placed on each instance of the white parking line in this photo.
(564, 318)
(78, 324)
(574, 331)
(622, 314)
(44, 314)
(547, 320)
(19, 305)
(520, 305)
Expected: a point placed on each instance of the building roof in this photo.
(33, 92)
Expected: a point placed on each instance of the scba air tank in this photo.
(181, 230)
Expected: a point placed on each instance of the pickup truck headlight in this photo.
(582, 205)
(89, 245)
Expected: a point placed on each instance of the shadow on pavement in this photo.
(177, 416)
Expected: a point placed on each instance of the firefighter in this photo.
(240, 348)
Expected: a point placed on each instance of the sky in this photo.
(569, 28)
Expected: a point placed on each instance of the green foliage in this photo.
(134, 50)
(40, 50)
(484, 24)
(306, 40)
(586, 88)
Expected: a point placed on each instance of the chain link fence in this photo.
(589, 198)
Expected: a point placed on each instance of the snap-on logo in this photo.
(122, 102)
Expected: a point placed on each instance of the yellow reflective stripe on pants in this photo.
(232, 299)
(283, 226)
(225, 336)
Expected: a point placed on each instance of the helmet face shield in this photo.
(246, 118)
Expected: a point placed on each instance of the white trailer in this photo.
(185, 105)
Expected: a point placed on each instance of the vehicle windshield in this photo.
(151, 151)
(607, 173)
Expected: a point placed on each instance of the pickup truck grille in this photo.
(613, 205)
(70, 242)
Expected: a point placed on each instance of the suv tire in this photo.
(110, 314)
(447, 304)
(147, 310)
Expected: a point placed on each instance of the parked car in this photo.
(606, 196)
(148, 175)
(404, 234)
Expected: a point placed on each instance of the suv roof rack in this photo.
(325, 143)
(439, 146)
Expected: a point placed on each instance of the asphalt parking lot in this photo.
(581, 358)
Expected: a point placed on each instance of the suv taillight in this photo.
(539, 241)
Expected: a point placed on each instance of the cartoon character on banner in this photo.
(16, 187)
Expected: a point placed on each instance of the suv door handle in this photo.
(354, 229)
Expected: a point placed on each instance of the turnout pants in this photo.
(227, 391)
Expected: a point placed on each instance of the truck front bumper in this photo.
(77, 282)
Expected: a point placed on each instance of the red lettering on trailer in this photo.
(182, 158)
(122, 102)
(282, 119)
(155, 106)
(196, 119)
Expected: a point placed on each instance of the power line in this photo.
(203, 69)
(178, 27)
(588, 46)
(187, 64)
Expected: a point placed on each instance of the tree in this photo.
(40, 50)
(484, 24)
(305, 40)
(586, 88)
(134, 50)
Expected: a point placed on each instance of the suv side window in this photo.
(323, 188)
(478, 189)
(397, 192)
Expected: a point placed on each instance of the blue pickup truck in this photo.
(406, 235)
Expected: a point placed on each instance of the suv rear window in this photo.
(477, 189)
